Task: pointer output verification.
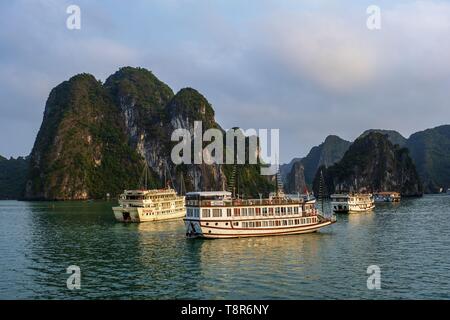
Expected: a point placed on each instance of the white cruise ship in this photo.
(355, 202)
(216, 214)
(149, 205)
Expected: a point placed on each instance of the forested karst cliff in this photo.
(95, 138)
(371, 164)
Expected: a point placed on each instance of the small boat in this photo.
(216, 214)
(354, 202)
(387, 197)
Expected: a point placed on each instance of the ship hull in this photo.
(145, 215)
(197, 229)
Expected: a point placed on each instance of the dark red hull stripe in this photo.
(206, 235)
(306, 226)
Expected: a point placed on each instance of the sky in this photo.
(309, 68)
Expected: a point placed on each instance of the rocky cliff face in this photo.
(81, 149)
(372, 163)
(95, 138)
(296, 179)
(393, 136)
(326, 154)
(430, 150)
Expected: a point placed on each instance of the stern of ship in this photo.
(126, 214)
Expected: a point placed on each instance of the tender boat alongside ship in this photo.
(354, 202)
(149, 205)
(217, 214)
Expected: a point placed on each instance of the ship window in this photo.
(206, 213)
(236, 212)
(271, 211)
(236, 224)
(228, 212)
(258, 211)
(289, 210)
(277, 211)
(264, 211)
(244, 212)
(295, 209)
(284, 222)
(217, 213)
(251, 211)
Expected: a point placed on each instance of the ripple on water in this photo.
(410, 242)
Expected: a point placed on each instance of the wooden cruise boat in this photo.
(149, 205)
(146, 205)
(217, 214)
(354, 202)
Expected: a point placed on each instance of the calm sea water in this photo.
(410, 242)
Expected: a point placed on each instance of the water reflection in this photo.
(38, 241)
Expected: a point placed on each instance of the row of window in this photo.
(159, 212)
(193, 212)
(278, 223)
(248, 212)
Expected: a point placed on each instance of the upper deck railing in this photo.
(242, 203)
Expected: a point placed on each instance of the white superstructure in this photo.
(149, 205)
(354, 202)
(217, 215)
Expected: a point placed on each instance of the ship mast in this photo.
(279, 182)
(321, 190)
(232, 186)
(143, 181)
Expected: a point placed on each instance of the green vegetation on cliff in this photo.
(13, 174)
(81, 149)
(430, 150)
(94, 139)
(371, 164)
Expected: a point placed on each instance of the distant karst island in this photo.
(95, 138)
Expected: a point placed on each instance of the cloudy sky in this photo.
(309, 68)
